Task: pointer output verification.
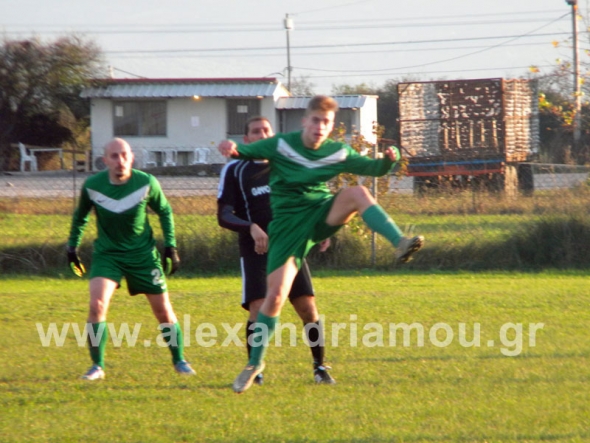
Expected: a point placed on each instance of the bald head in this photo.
(118, 158)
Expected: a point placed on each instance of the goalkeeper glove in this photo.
(74, 261)
(171, 260)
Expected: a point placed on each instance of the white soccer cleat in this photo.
(94, 373)
(246, 377)
(408, 246)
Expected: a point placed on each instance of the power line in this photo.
(429, 72)
(452, 58)
(332, 7)
(312, 54)
(263, 27)
(335, 45)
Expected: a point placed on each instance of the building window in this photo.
(238, 113)
(345, 116)
(140, 118)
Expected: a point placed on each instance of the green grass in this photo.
(384, 393)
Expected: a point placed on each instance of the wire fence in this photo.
(465, 226)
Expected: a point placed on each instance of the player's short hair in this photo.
(322, 103)
(257, 118)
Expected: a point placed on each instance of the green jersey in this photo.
(121, 213)
(298, 174)
(299, 197)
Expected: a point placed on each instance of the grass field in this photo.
(528, 386)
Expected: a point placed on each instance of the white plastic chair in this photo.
(148, 158)
(25, 157)
(170, 157)
(201, 156)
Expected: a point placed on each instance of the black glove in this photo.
(74, 261)
(171, 260)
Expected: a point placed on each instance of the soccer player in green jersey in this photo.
(125, 247)
(305, 212)
(243, 205)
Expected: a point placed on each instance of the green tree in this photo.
(40, 86)
(387, 105)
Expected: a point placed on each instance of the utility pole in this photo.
(577, 93)
(288, 23)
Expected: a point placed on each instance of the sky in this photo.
(332, 42)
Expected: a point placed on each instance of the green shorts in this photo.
(296, 234)
(143, 272)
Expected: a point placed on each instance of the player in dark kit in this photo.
(244, 206)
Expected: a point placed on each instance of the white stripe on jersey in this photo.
(119, 206)
(222, 177)
(286, 150)
(239, 173)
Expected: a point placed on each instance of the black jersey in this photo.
(243, 199)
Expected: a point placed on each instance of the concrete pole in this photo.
(577, 123)
(288, 22)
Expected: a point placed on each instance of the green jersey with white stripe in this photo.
(121, 213)
(298, 174)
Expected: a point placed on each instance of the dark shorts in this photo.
(143, 272)
(254, 280)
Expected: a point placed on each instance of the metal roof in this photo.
(344, 101)
(158, 88)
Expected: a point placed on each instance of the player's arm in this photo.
(226, 215)
(227, 196)
(226, 218)
(358, 164)
(79, 222)
(158, 202)
(259, 150)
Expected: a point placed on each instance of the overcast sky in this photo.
(333, 42)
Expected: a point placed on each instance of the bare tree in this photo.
(301, 86)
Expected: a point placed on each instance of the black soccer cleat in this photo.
(321, 375)
(259, 380)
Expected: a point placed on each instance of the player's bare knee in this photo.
(96, 312)
(361, 194)
(356, 198)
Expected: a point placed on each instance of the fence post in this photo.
(375, 193)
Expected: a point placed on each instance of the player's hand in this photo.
(227, 148)
(393, 153)
(324, 245)
(74, 262)
(260, 239)
(171, 260)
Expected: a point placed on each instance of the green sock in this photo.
(378, 220)
(175, 340)
(263, 323)
(97, 341)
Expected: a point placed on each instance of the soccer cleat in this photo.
(183, 368)
(407, 246)
(321, 375)
(246, 377)
(259, 379)
(94, 373)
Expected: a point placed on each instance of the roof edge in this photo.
(188, 80)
